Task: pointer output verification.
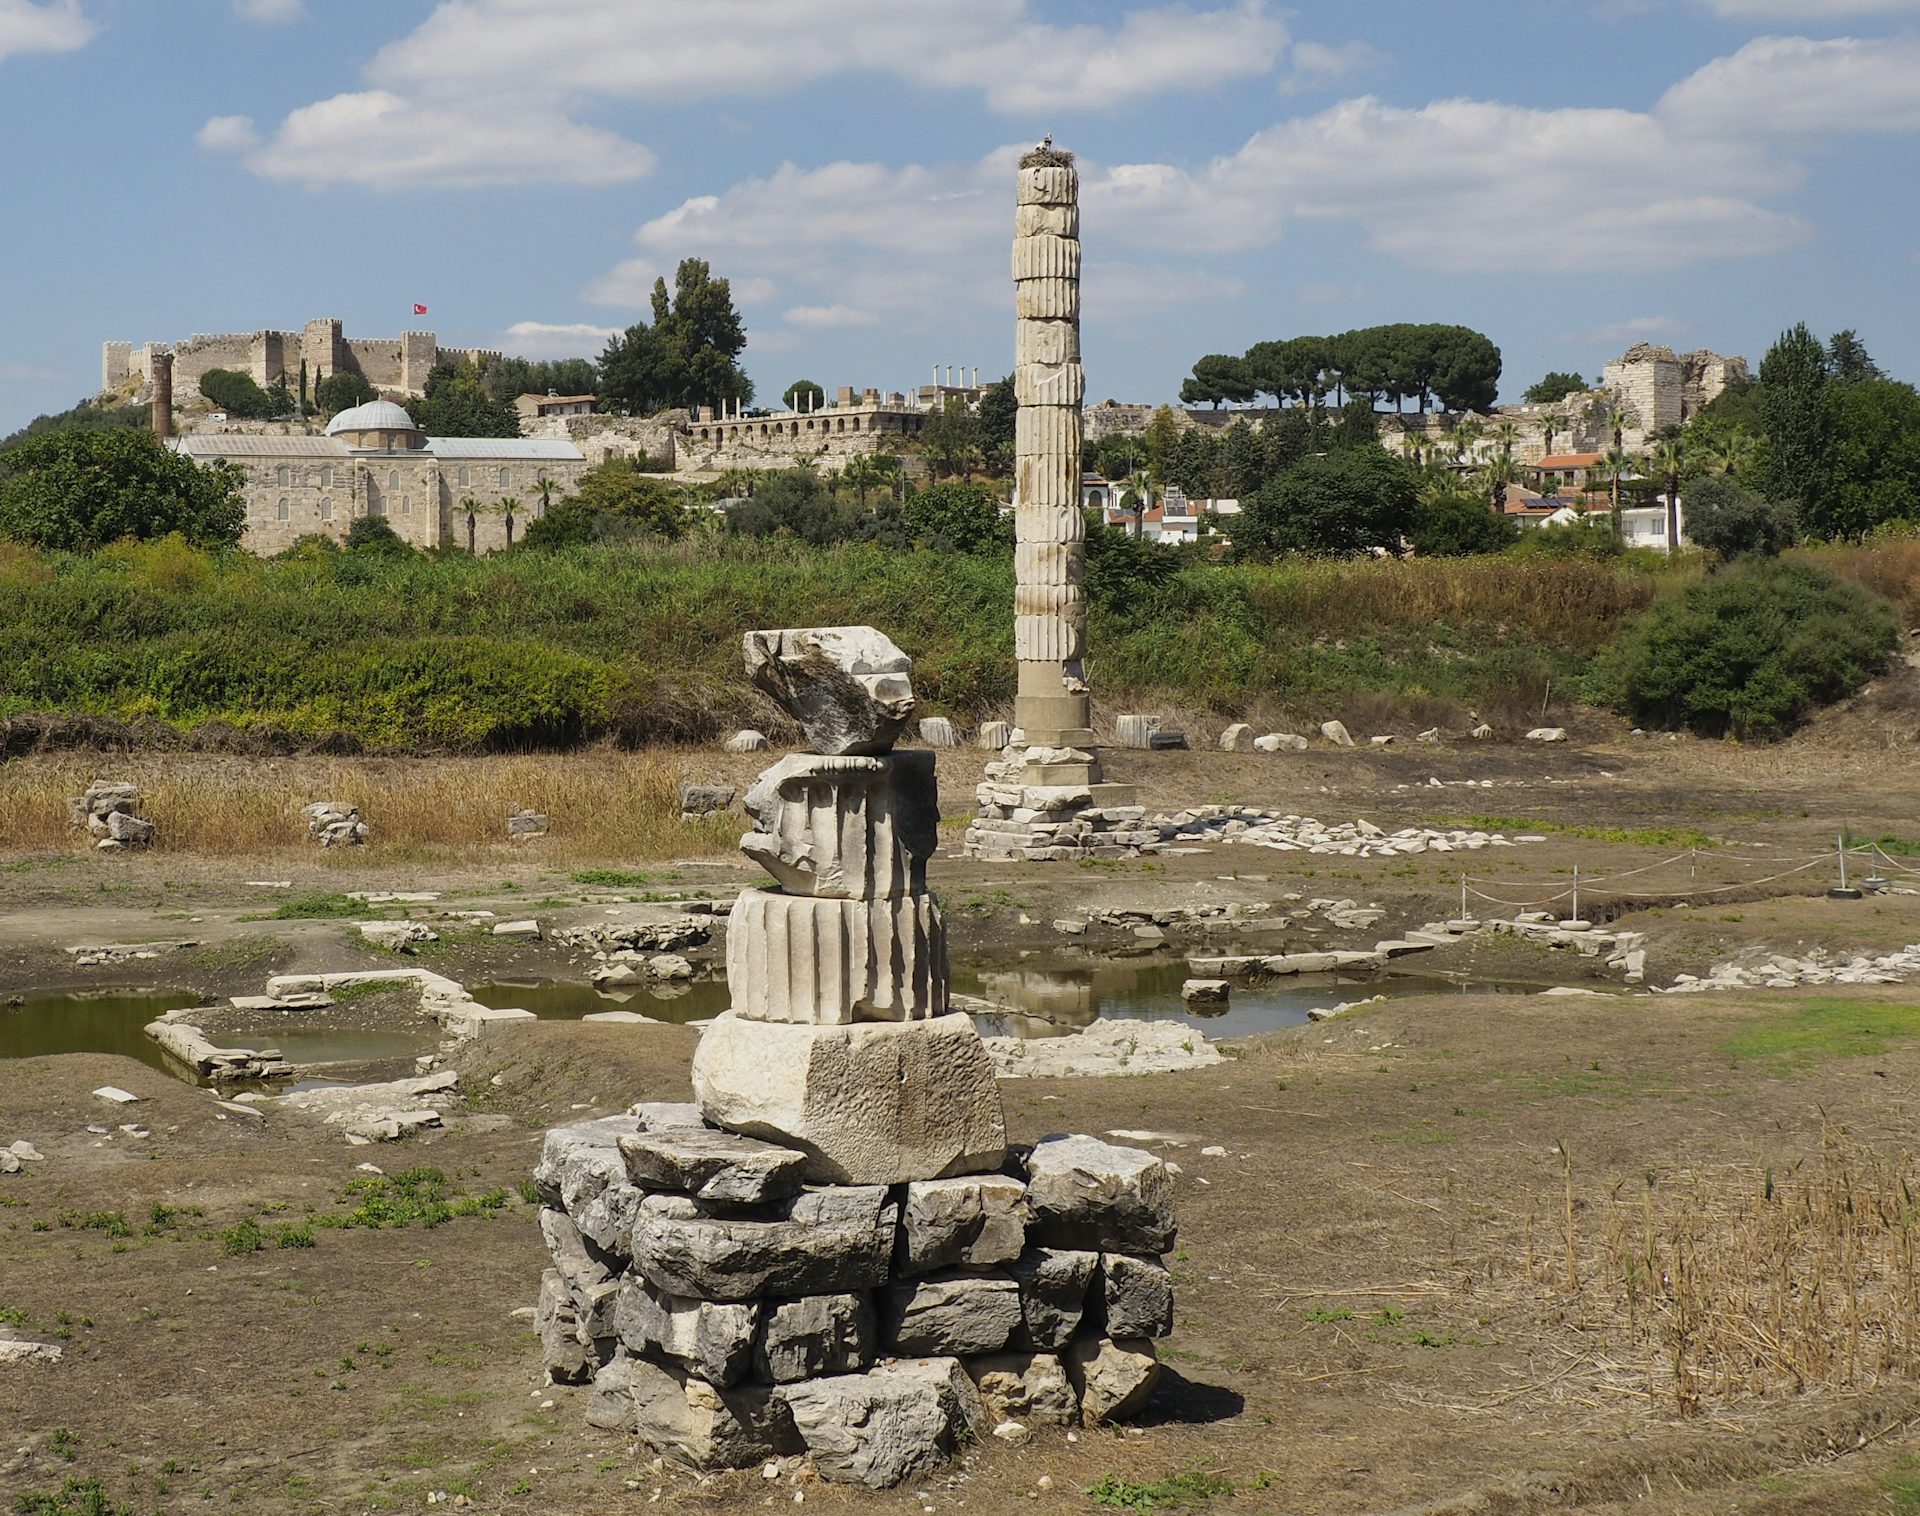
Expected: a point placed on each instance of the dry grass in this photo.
(1713, 1287)
(1890, 568)
(603, 805)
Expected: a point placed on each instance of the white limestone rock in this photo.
(938, 732)
(1336, 732)
(976, 1220)
(691, 1421)
(1547, 734)
(746, 741)
(832, 962)
(958, 1313)
(1137, 1294)
(847, 686)
(824, 1242)
(720, 1168)
(871, 1103)
(1113, 1378)
(711, 1339)
(1237, 738)
(1054, 1286)
(888, 1424)
(1086, 1193)
(815, 1335)
(849, 828)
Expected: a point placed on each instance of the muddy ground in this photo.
(1376, 1308)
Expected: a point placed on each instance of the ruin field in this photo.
(1470, 1248)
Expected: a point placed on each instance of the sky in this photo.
(1568, 176)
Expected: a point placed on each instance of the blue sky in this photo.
(1570, 176)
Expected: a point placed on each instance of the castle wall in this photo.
(785, 440)
(661, 438)
(116, 364)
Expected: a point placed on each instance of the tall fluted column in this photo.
(1050, 612)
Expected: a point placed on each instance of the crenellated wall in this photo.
(397, 365)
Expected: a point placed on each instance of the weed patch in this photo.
(1825, 1028)
(1188, 1488)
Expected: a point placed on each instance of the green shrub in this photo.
(79, 490)
(1734, 521)
(1749, 651)
(1457, 526)
(235, 393)
(242, 1237)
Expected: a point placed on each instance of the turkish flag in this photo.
(419, 309)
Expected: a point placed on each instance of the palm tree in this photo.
(1615, 465)
(1466, 436)
(509, 505)
(472, 508)
(1139, 491)
(1506, 434)
(1617, 419)
(1495, 477)
(1668, 459)
(546, 487)
(1730, 453)
(861, 474)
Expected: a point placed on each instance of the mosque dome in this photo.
(374, 416)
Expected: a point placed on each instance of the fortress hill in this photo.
(398, 364)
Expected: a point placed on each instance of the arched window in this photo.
(285, 476)
(284, 512)
(326, 477)
(466, 477)
(376, 507)
(326, 510)
(842, 426)
(406, 505)
(506, 478)
(393, 478)
(856, 423)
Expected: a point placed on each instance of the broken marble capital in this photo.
(846, 828)
(847, 686)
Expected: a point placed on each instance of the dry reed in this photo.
(602, 805)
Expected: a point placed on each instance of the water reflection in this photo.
(678, 1001)
(109, 1021)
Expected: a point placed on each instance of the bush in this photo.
(1592, 536)
(235, 393)
(341, 392)
(1458, 526)
(1341, 504)
(1734, 521)
(962, 517)
(80, 490)
(374, 534)
(1749, 651)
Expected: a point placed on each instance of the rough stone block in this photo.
(526, 824)
(1280, 742)
(853, 828)
(720, 1168)
(564, 1356)
(1137, 1294)
(579, 1267)
(577, 1162)
(815, 1336)
(888, 1424)
(711, 1339)
(958, 1313)
(1237, 738)
(829, 1242)
(847, 686)
(1135, 731)
(129, 831)
(746, 740)
(830, 962)
(993, 736)
(937, 732)
(686, 1419)
(1091, 1194)
(1030, 1387)
(704, 799)
(1113, 1378)
(978, 1221)
(606, 1221)
(876, 1103)
(1054, 1283)
(1336, 732)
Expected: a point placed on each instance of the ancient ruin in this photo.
(834, 1251)
(1045, 798)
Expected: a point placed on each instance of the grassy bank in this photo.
(414, 653)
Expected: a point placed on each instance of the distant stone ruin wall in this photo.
(599, 438)
(786, 440)
(396, 364)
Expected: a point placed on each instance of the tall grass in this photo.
(601, 805)
(537, 651)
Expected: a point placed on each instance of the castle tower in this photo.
(163, 395)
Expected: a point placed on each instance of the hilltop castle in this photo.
(399, 365)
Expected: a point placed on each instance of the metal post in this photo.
(1576, 892)
(1843, 860)
(1463, 896)
(1844, 891)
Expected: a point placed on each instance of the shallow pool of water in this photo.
(1053, 1001)
(109, 1021)
(569, 1000)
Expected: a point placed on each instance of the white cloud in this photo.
(228, 134)
(56, 27)
(825, 318)
(601, 48)
(270, 12)
(1634, 329)
(543, 339)
(377, 140)
(1795, 84)
(1316, 64)
(1808, 12)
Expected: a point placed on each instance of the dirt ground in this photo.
(1399, 1290)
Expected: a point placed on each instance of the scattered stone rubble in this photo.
(1783, 971)
(446, 1000)
(386, 1112)
(108, 954)
(1288, 833)
(396, 936)
(16, 1155)
(106, 811)
(333, 823)
(833, 1252)
(746, 741)
(1110, 1047)
(637, 951)
(526, 824)
(181, 1039)
(697, 800)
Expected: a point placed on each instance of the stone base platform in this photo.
(1047, 804)
(726, 1312)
